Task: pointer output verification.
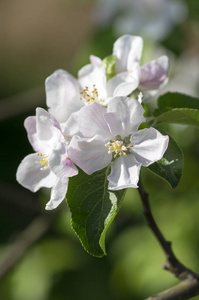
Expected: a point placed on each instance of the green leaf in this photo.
(177, 108)
(109, 64)
(170, 101)
(93, 208)
(170, 167)
(184, 116)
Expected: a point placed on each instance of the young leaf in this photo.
(170, 166)
(93, 208)
(109, 64)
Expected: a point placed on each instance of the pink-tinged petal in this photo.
(96, 61)
(149, 146)
(124, 173)
(154, 73)
(90, 155)
(30, 175)
(63, 95)
(129, 113)
(128, 50)
(91, 121)
(92, 76)
(60, 164)
(58, 194)
(48, 129)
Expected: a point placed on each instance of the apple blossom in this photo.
(66, 95)
(111, 135)
(50, 166)
(129, 76)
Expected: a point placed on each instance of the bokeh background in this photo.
(40, 256)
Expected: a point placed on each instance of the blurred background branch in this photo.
(27, 238)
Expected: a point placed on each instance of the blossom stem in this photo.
(189, 285)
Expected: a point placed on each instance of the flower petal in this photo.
(90, 155)
(60, 164)
(149, 145)
(124, 83)
(70, 127)
(96, 61)
(129, 113)
(124, 173)
(63, 95)
(58, 194)
(154, 73)
(128, 50)
(30, 125)
(93, 76)
(91, 121)
(48, 129)
(30, 175)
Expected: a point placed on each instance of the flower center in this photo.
(90, 97)
(43, 161)
(118, 147)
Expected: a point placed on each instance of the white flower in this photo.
(50, 166)
(153, 19)
(148, 78)
(112, 133)
(65, 94)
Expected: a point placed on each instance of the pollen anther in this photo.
(91, 96)
(43, 161)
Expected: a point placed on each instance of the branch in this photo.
(189, 285)
(184, 290)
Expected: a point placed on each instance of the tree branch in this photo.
(189, 285)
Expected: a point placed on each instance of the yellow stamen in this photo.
(91, 96)
(118, 147)
(43, 161)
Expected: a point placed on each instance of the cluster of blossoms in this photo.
(92, 122)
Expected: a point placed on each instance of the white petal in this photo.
(91, 121)
(30, 125)
(96, 61)
(123, 84)
(93, 76)
(115, 125)
(58, 193)
(149, 146)
(70, 127)
(129, 113)
(63, 95)
(60, 164)
(90, 155)
(30, 175)
(48, 129)
(128, 50)
(124, 173)
(154, 73)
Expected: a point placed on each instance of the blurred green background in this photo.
(40, 256)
